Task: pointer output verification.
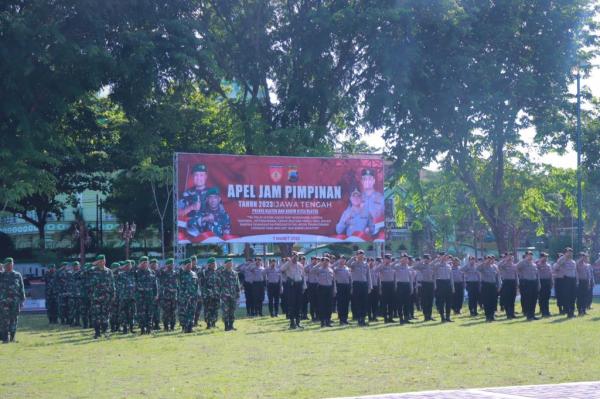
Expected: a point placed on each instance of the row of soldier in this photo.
(394, 287)
(127, 294)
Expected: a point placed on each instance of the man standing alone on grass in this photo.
(12, 296)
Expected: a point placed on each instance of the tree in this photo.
(481, 72)
(55, 53)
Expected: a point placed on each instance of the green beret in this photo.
(199, 167)
(153, 260)
(87, 266)
(211, 260)
(114, 265)
(100, 257)
(228, 260)
(193, 257)
(169, 261)
(368, 172)
(213, 191)
(76, 263)
(63, 264)
(143, 259)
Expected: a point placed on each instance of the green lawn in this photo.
(265, 360)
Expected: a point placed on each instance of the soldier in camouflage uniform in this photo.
(147, 293)
(187, 296)
(85, 295)
(167, 294)
(229, 287)
(125, 285)
(12, 296)
(197, 270)
(214, 218)
(116, 301)
(102, 292)
(75, 284)
(155, 306)
(209, 283)
(193, 200)
(51, 294)
(63, 294)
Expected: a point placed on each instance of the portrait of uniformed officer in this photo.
(356, 218)
(194, 198)
(214, 217)
(373, 200)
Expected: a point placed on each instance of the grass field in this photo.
(265, 360)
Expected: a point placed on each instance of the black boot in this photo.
(226, 325)
(125, 329)
(166, 326)
(231, 327)
(96, 332)
(173, 326)
(292, 324)
(4, 337)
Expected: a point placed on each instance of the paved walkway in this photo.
(575, 390)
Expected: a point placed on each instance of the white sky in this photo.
(567, 160)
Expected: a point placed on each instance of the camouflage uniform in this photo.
(155, 305)
(210, 296)
(146, 291)
(229, 287)
(187, 296)
(221, 223)
(74, 284)
(198, 310)
(167, 288)
(125, 284)
(12, 296)
(102, 292)
(116, 301)
(51, 295)
(63, 294)
(85, 295)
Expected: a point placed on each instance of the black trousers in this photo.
(458, 297)
(273, 290)
(489, 298)
(404, 301)
(360, 299)
(473, 293)
(544, 296)
(582, 296)
(258, 296)
(294, 299)
(313, 298)
(568, 294)
(284, 296)
(305, 302)
(590, 297)
(443, 298)
(508, 295)
(427, 298)
(343, 301)
(559, 283)
(529, 294)
(374, 302)
(388, 299)
(325, 294)
(249, 301)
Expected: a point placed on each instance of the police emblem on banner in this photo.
(276, 173)
(293, 173)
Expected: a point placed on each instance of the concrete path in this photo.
(575, 390)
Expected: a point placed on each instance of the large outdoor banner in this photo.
(263, 199)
